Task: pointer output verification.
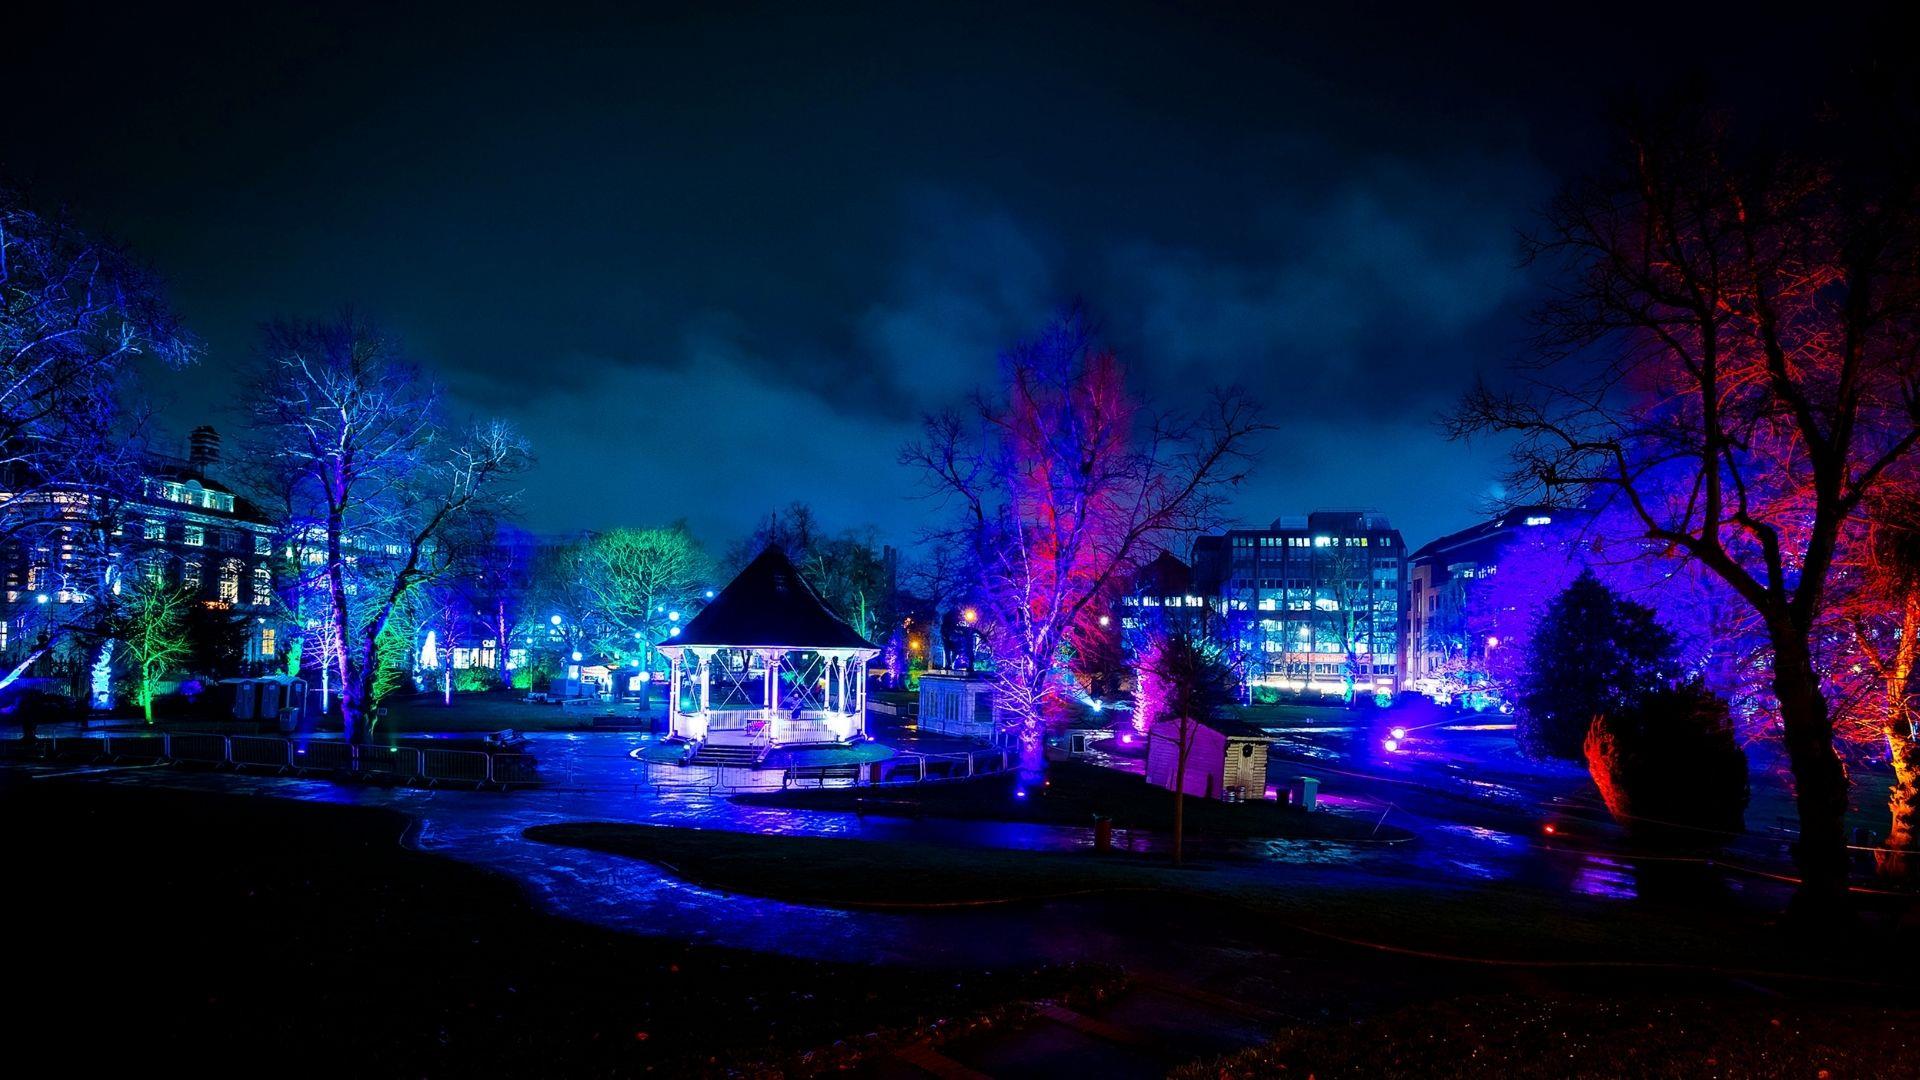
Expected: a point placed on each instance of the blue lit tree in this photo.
(76, 315)
(386, 489)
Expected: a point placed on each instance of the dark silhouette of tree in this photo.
(1592, 654)
(1669, 767)
(1733, 358)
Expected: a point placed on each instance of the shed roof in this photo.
(769, 604)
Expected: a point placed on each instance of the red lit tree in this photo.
(1879, 612)
(1064, 487)
(1731, 360)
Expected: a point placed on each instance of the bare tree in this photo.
(1732, 361)
(75, 316)
(1063, 487)
(376, 478)
(155, 630)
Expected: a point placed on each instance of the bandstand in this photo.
(766, 664)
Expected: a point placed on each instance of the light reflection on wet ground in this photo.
(1469, 829)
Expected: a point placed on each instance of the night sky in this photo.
(715, 261)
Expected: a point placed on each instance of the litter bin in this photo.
(1102, 833)
(1304, 792)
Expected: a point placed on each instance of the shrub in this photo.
(1669, 767)
(476, 679)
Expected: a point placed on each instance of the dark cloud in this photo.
(717, 259)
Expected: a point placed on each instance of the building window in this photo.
(156, 530)
(262, 586)
(262, 545)
(266, 641)
(196, 536)
(230, 571)
(190, 574)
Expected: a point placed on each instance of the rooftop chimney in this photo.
(203, 448)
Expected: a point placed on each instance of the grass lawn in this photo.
(1074, 793)
(220, 935)
(1490, 922)
(1556, 1035)
(491, 711)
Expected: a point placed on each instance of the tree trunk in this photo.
(1901, 855)
(500, 644)
(1182, 749)
(1820, 782)
(353, 698)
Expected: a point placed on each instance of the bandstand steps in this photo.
(710, 754)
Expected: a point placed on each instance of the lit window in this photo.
(195, 536)
(266, 641)
(262, 586)
(262, 545)
(156, 530)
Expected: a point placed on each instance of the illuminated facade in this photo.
(1444, 659)
(1317, 600)
(182, 528)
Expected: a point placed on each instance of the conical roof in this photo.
(769, 604)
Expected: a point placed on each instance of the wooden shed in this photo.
(1228, 760)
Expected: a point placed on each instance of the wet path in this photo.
(1468, 832)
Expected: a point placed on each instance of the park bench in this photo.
(507, 740)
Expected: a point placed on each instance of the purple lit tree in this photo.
(1063, 487)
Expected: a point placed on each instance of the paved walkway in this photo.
(1477, 816)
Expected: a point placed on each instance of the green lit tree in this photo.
(1592, 654)
(641, 583)
(155, 632)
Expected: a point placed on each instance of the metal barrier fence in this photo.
(900, 769)
(274, 754)
(510, 769)
(457, 766)
(208, 748)
(402, 764)
(125, 747)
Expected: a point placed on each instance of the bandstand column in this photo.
(772, 696)
(673, 694)
(706, 679)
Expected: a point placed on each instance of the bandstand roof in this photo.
(769, 604)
